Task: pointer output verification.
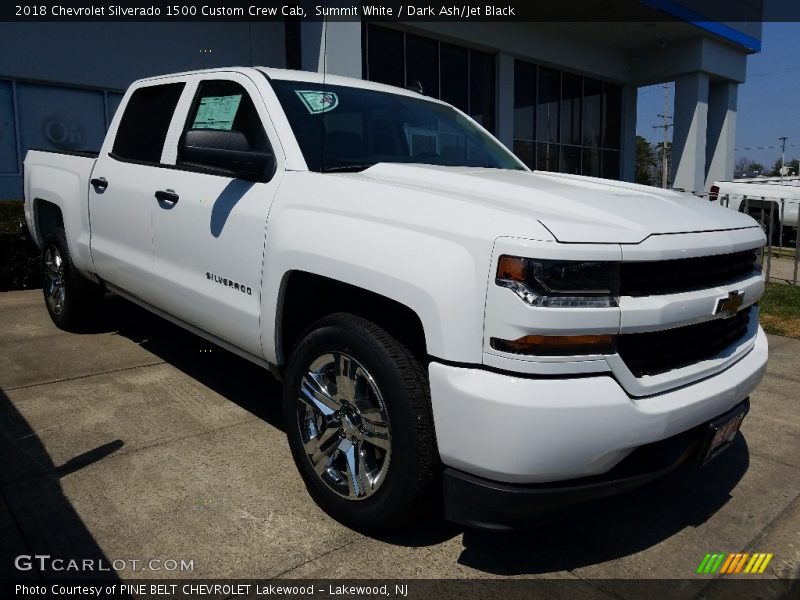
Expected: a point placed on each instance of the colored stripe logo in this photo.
(727, 564)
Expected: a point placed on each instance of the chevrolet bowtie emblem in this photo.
(730, 306)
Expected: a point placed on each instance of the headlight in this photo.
(560, 283)
(758, 259)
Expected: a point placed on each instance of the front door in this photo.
(209, 228)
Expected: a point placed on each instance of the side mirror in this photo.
(226, 150)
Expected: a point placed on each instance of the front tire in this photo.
(71, 299)
(358, 417)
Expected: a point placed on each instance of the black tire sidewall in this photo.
(389, 505)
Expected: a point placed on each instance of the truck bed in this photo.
(57, 188)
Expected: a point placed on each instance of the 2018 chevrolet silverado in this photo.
(446, 322)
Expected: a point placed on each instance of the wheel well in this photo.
(308, 297)
(48, 217)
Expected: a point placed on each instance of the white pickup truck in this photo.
(773, 202)
(446, 322)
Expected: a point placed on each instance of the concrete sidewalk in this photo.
(143, 441)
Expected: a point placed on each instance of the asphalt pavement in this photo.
(142, 441)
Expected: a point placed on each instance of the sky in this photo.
(768, 103)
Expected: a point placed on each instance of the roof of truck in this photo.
(308, 76)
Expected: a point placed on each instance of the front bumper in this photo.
(522, 430)
(484, 504)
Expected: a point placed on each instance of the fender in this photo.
(66, 188)
(377, 237)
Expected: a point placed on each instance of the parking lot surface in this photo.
(142, 441)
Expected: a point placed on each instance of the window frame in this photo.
(194, 99)
(555, 149)
(180, 116)
(469, 51)
(122, 110)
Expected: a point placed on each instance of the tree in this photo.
(794, 166)
(645, 161)
(745, 167)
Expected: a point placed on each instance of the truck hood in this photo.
(575, 209)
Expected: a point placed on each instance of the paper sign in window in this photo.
(217, 112)
(317, 101)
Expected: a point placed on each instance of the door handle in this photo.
(100, 183)
(167, 196)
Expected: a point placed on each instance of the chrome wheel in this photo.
(54, 289)
(344, 426)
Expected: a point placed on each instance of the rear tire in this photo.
(71, 299)
(358, 417)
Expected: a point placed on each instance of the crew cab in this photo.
(446, 322)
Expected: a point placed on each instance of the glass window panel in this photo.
(610, 164)
(481, 88)
(547, 157)
(570, 159)
(454, 71)
(548, 94)
(524, 149)
(524, 100)
(364, 127)
(144, 124)
(422, 64)
(591, 162)
(60, 118)
(225, 106)
(9, 163)
(385, 56)
(592, 111)
(612, 115)
(570, 109)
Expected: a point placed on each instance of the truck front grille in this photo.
(661, 351)
(684, 274)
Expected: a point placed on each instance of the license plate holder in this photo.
(722, 431)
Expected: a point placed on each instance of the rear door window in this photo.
(144, 124)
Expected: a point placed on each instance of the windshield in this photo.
(343, 128)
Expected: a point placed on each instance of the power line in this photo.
(767, 147)
(774, 72)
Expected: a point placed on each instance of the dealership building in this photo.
(561, 95)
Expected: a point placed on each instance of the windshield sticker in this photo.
(317, 102)
(217, 112)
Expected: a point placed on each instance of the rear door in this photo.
(121, 198)
(208, 240)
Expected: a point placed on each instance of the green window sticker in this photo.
(217, 112)
(317, 101)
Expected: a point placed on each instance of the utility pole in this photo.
(665, 126)
(782, 140)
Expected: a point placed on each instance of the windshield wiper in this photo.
(347, 168)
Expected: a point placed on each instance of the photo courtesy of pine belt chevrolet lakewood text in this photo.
(449, 326)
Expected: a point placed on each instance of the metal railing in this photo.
(780, 260)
